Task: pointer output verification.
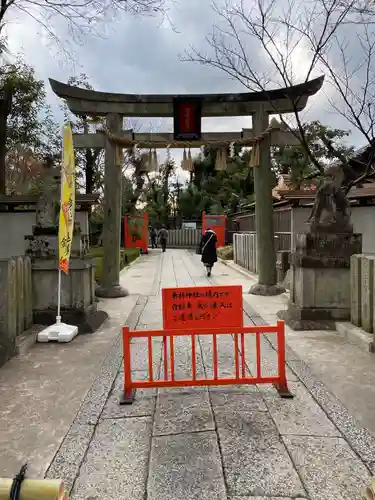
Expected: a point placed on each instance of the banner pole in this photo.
(58, 317)
(60, 331)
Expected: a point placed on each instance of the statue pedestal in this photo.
(44, 243)
(78, 303)
(320, 280)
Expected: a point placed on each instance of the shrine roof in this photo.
(81, 101)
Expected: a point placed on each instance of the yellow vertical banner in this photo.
(68, 200)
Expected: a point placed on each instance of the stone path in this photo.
(222, 443)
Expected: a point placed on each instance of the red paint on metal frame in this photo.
(218, 224)
(240, 375)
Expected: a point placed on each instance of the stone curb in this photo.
(356, 336)
(234, 267)
(246, 273)
(68, 460)
(359, 438)
(126, 268)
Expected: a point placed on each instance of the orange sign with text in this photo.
(136, 232)
(202, 307)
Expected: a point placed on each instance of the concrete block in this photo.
(367, 293)
(355, 288)
(8, 309)
(355, 335)
(20, 295)
(28, 292)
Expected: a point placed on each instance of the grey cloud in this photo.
(139, 56)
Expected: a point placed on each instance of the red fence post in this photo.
(127, 397)
(281, 386)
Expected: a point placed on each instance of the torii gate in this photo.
(114, 107)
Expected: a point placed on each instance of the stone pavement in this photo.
(222, 443)
(41, 392)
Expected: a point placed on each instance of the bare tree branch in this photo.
(82, 17)
(288, 34)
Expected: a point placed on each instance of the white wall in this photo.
(362, 220)
(14, 226)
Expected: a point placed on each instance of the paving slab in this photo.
(97, 395)
(139, 355)
(143, 405)
(42, 392)
(263, 498)
(117, 461)
(183, 413)
(225, 443)
(346, 370)
(235, 401)
(68, 460)
(328, 467)
(229, 389)
(186, 466)
(300, 415)
(256, 462)
(359, 438)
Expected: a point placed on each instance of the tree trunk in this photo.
(5, 106)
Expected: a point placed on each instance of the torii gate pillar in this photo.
(267, 279)
(110, 286)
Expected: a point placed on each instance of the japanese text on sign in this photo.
(199, 307)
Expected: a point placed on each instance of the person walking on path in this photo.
(208, 250)
(154, 235)
(163, 237)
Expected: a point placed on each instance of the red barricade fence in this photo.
(240, 367)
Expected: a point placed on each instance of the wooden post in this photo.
(267, 276)
(110, 285)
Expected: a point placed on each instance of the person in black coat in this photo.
(154, 235)
(208, 250)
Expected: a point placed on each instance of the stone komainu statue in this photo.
(331, 210)
(47, 209)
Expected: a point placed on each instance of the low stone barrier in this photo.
(362, 288)
(16, 314)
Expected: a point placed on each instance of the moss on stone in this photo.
(127, 255)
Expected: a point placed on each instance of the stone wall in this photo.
(20, 224)
(16, 313)
(362, 288)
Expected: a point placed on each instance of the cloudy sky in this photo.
(140, 55)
